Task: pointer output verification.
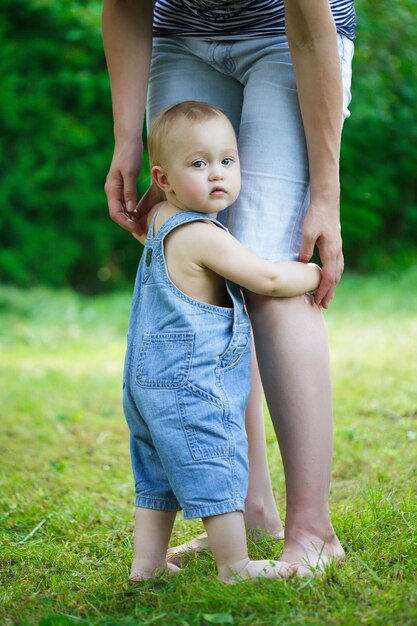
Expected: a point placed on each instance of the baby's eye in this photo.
(227, 161)
(198, 164)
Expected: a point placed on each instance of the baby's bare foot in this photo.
(255, 571)
(141, 572)
(310, 556)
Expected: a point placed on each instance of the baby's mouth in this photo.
(217, 191)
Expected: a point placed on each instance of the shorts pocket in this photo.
(204, 424)
(165, 360)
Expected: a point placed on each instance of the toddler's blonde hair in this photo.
(192, 110)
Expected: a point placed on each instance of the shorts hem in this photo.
(228, 506)
(157, 503)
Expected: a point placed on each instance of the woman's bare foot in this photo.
(255, 571)
(259, 534)
(140, 572)
(201, 542)
(310, 555)
(177, 553)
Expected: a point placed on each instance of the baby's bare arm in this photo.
(217, 250)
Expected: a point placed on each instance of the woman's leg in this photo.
(290, 336)
(188, 69)
(293, 357)
(261, 513)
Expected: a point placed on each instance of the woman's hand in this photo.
(120, 187)
(322, 229)
(152, 197)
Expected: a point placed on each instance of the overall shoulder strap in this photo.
(184, 217)
(151, 228)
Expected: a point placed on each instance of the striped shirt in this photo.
(235, 19)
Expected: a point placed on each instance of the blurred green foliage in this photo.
(379, 151)
(56, 146)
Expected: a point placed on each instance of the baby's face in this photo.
(202, 165)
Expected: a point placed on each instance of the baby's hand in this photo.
(317, 272)
(317, 268)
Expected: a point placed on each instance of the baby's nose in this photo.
(216, 173)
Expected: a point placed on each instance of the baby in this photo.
(187, 369)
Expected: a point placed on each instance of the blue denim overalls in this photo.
(186, 386)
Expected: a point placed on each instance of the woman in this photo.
(281, 72)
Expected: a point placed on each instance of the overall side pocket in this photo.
(204, 423)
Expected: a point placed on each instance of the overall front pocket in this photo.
(165, 359)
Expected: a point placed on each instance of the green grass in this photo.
(64, 463)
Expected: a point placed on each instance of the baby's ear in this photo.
(160, 178)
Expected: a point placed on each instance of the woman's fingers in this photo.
(121, 192)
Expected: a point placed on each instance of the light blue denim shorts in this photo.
(253, 82)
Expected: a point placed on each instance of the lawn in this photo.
(66, 490)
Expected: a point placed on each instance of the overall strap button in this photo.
(148, 257)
